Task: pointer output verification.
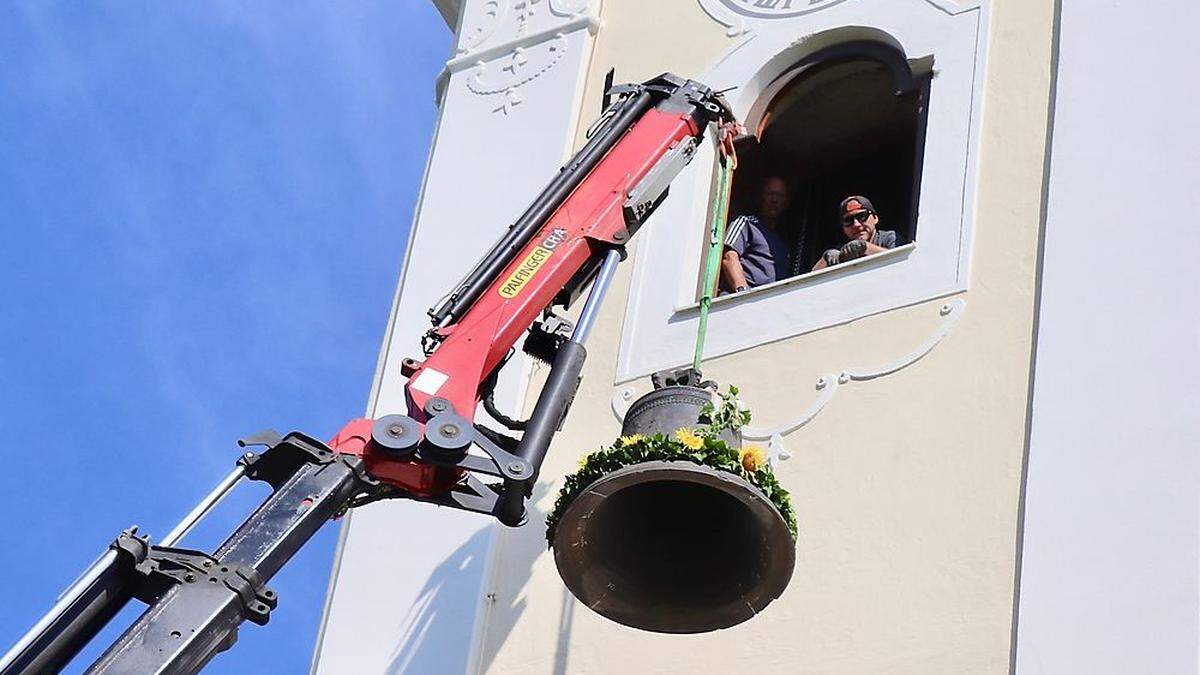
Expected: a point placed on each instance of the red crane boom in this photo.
(573, 235)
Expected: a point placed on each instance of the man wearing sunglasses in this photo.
(860, 225)
(754, 252)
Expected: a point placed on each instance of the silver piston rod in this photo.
(88, 603)
(587, 317)
(556, 395)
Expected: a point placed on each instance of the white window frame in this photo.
(661, 316)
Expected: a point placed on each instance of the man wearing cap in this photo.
(860, 225)
(754, 253)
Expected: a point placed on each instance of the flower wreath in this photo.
(701, 445)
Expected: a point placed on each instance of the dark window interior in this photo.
(837, 128)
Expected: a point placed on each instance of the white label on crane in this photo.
(429, 381)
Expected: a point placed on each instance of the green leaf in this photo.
(715, 453)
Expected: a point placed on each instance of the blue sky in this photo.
(203, 209)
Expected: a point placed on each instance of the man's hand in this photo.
(852, 250)
(858, 248)
(872, 248)
(726, 134)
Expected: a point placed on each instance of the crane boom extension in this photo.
(573, 234)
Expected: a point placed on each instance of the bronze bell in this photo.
(674, 547)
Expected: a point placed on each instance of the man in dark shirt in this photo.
(860, 224)
(754, 253)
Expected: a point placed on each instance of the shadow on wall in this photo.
(432, 641)
(517, 550)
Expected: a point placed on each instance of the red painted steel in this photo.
(584, 226)
(418, 478)
(590, 217)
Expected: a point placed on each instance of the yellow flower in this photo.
(583, 461)
(689, 438)
(632, 439)
(752, 458)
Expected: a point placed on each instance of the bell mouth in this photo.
(674, 547)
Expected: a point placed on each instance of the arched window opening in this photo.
(849, 120)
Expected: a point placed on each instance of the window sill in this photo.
(809, 278)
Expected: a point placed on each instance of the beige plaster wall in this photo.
(906, 486)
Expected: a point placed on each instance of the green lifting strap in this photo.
(712, 263)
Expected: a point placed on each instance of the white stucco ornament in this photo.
(826, 385)
(511, 43)
(776, 9)
(568, 7)
(478, 26)
(733, 13)
(521, 66)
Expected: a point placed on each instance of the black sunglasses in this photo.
(861, 217)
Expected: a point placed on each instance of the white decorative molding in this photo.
(660, 322)
(950, 313)
(826, 385)
(622, 398)
(478, 26)
(735, 15)
(734, 23)
(501, 69)
(739, 16)
(571, 8)
(524, 15)
(521, 67)
(775, 9)
(952, 7)
(506, 23)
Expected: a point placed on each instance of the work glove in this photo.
(852, 250)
